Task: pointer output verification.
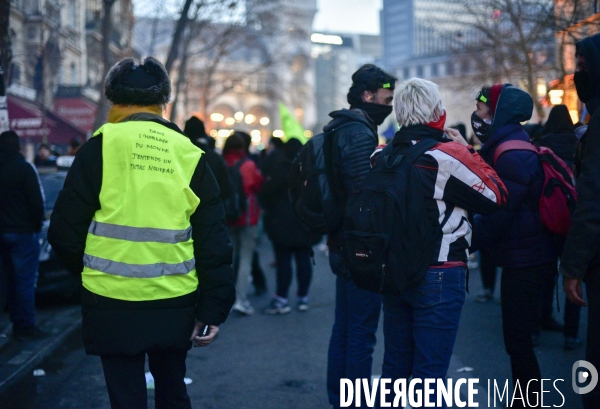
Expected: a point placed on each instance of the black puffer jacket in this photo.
(582, 248)
(354, 143)
(112, 326)
(21, 196)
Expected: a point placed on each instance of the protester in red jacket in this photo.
(243, 231)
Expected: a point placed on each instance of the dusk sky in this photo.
(346, 16)
(349, 16)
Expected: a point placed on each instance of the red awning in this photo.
(77, 111)
(25, 118)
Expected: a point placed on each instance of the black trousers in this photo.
(521, 295)
(126, 382)
(592, 353)
(572, 312)
(283, 256)
(488, 271)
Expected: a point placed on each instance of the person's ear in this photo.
(368, 96)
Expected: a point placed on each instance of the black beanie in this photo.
(194, 128)
(128, 83)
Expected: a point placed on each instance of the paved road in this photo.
(279, 362)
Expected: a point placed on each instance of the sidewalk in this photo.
(19, 357)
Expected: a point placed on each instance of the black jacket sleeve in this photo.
(356, 143)
(76, 205)
(582, 246)
(212, 249)
(219, 169)
(34, 192)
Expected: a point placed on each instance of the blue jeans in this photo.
(353, 334)
(420, 326)
(20, 259)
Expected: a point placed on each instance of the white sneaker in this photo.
(243, 307)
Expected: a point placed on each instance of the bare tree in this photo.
(106, 59)
(5, 43)
(177, 34)
(515, 39)
(216, 32)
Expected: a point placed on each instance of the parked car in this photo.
(53, 277)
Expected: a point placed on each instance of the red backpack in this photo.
(558, 194)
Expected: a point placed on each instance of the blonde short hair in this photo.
(417, 101)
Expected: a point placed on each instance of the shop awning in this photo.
(26, 119)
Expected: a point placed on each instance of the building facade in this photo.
(52, 80)
(266, 62)
(337, 56)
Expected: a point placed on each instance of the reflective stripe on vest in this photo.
(139, 245)
(137, 270)
(114, 231)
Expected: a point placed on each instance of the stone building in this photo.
(53, 82)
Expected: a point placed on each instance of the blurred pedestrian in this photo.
(289, 236)
(487, 268)
(194, 129)
(45, 157)
(141, 220)
(74, 145)
(243, 231)
(558, 134)
(21, 218)
(259, 280)
(514, 237)
(420, 325)
(356, 310)
(580, 260)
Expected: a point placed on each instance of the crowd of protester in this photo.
(478, 195)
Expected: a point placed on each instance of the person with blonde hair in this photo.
(420, 325)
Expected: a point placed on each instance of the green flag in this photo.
(290, 126)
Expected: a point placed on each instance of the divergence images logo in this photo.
(580, 377)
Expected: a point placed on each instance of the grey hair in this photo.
(417, 101)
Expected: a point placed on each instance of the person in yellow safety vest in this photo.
(141, 220)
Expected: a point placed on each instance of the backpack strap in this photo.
(420, 148)
(513, 146)
(412, 154)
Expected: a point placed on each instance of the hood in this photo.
(589, 48)
(8, 155)
(407, 134)
(348, 115)
(514, 106)
(559, 121)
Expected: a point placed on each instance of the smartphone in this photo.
(204, 331)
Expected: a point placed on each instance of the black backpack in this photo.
(236, 205)
(389, 242)
(314, 190)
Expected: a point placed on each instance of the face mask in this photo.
(481, 127)
(376, 112)
(583, 86)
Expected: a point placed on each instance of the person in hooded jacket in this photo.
(289, 236)
(21, 218)
(558, 134)
(141, 220)
(580, 260)
(356, 310)
(514, 237)
(194, 129)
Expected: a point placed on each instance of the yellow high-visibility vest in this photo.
(139, 245)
